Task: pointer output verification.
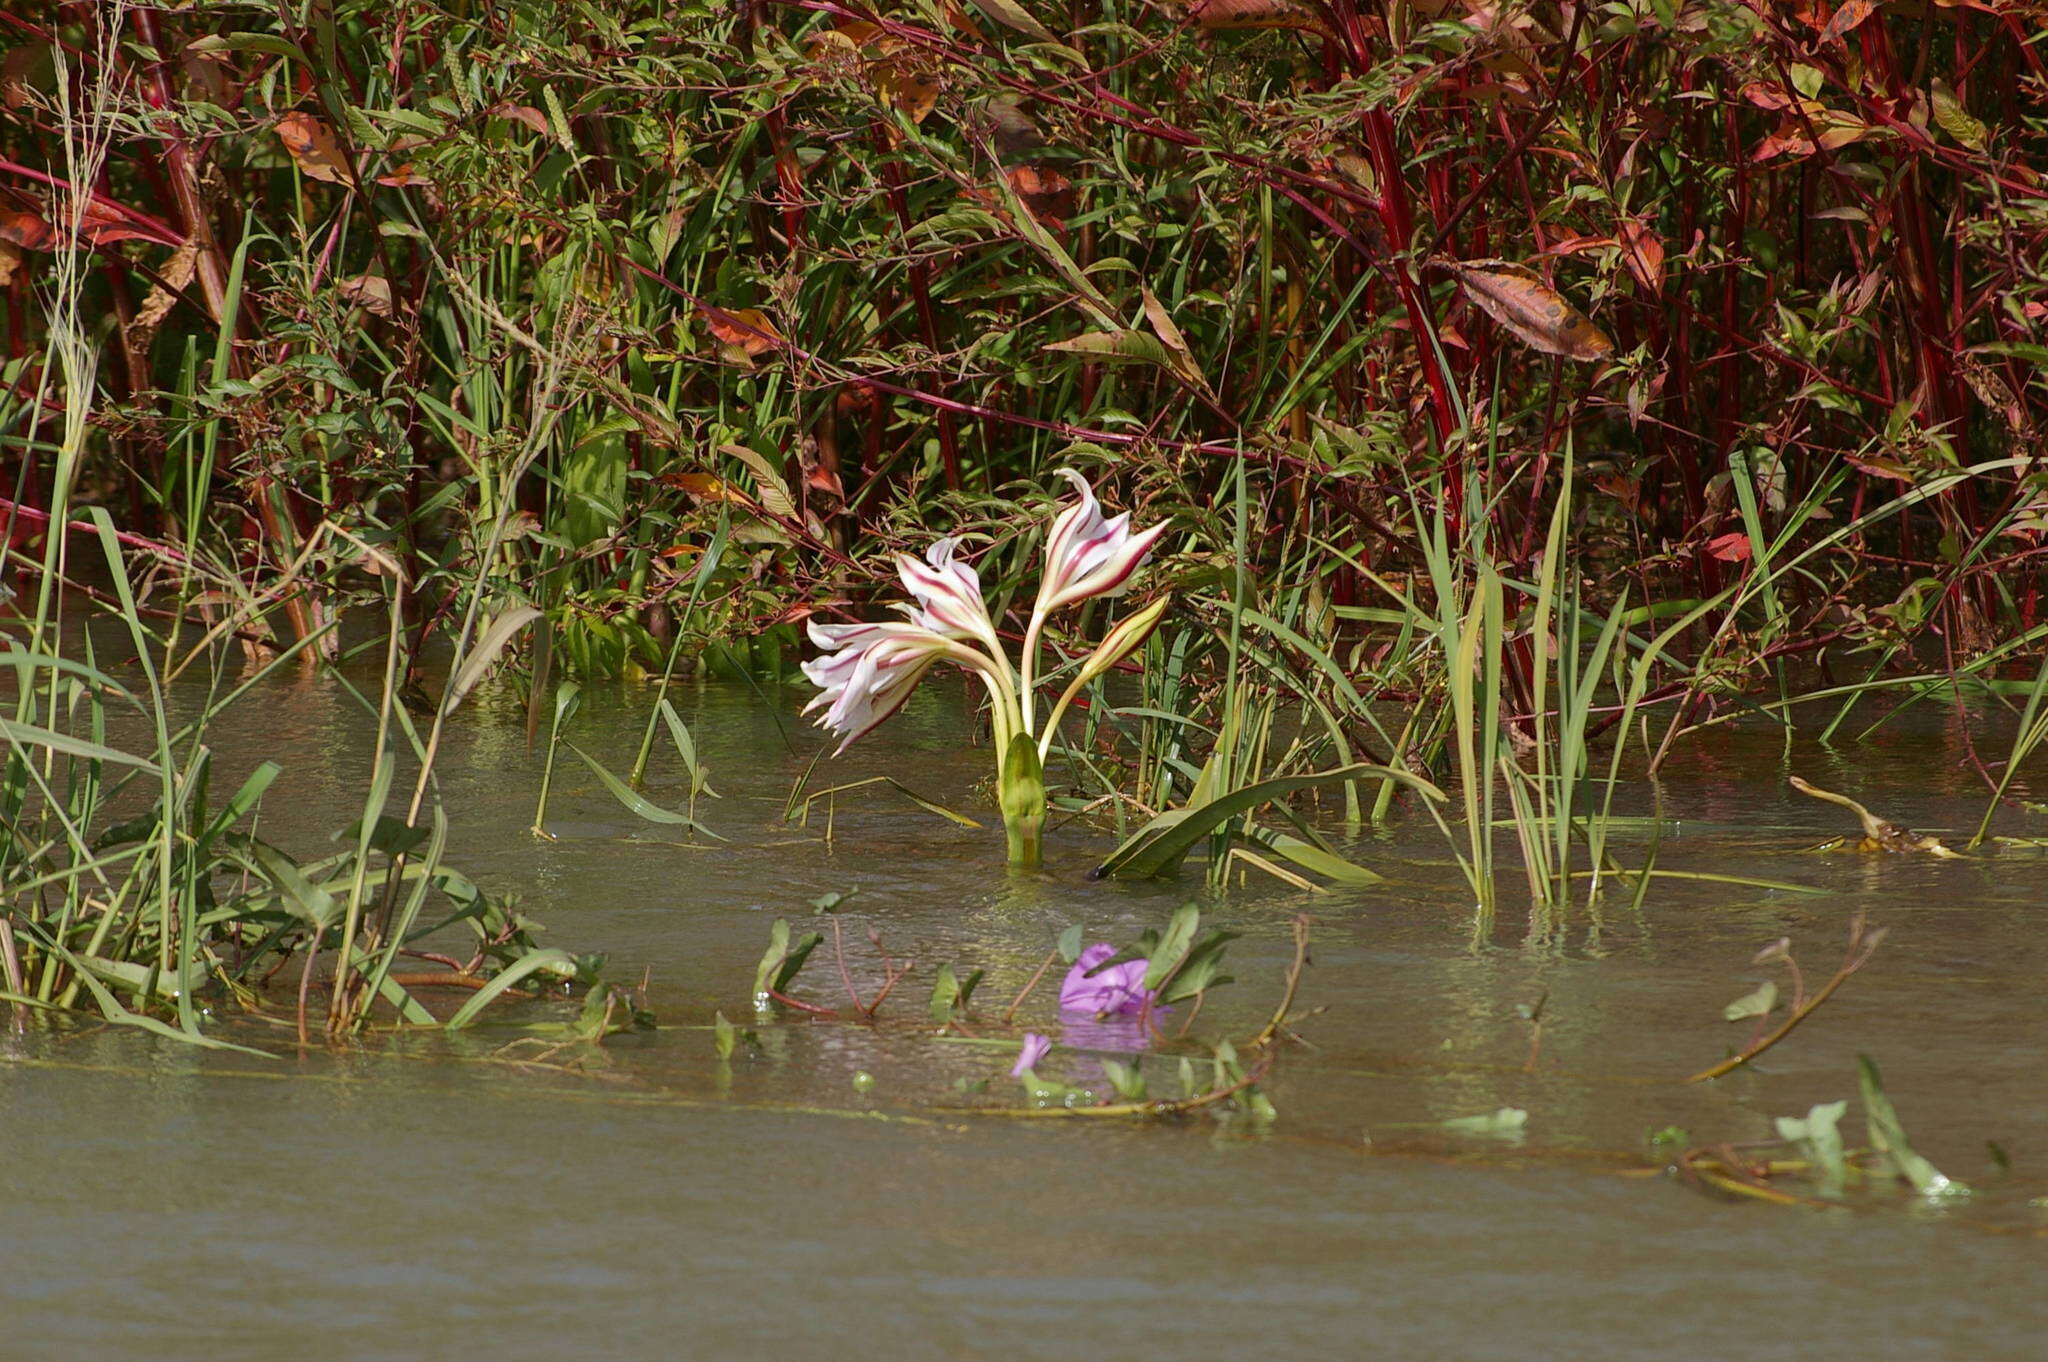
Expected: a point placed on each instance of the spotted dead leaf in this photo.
(1216, 14)
(1519, 300)
(10, 261)
(176, 273)
(746, 330)
(1848, 16)
(30, 231)
(313, 147)
(1047, 193)
(904, 87)
(371, 292)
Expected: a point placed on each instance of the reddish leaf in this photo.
(746, 328)
(1645, 254)
(1256, 14)
(1047, 193)
(1847, 17)
(28, 230)
(1729, 548)
(313, 146)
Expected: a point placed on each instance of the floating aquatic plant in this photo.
(869, 670)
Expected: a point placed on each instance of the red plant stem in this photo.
(213, 274)
(159, 231)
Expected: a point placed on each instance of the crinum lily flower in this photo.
(867, 671)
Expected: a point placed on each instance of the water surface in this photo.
(422, 1198)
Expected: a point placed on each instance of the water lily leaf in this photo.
(1159, 846)
(1758, 1002)
(1519, 300)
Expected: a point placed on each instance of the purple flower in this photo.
(1035, 1047)
(1091, 988)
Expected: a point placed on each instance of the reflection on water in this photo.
(423, 1199)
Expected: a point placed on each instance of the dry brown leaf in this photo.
(912, 93)
(1215, 14)
(1847, 16)
(523, 113)
(313, 146)
(10, 261)
(30, 231)
(1047, 193)
(371, 292)
(746, 329)
(1519, 300)
(161, 298)
(1645, 254)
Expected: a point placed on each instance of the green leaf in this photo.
(1820, 1143)
(1128, 1081)
(28, 735)
(1167, 951)
(1507, 1123)
(723, 1035)
(1069, 943)
(781, 962)
(550, 960)
(637, 803)
(1758, 1002)
(951, 993)
(686, 748)
(484, 655)
(1311, 857)
(1159, 846)
(1888, 1137)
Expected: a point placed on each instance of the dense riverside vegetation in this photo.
(1516, 379)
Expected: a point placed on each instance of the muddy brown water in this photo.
(421, 1198)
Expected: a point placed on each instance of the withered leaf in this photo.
(371, 292)
(30, 231)
(1519, 300)
(1216, 14)
(1849, 15)
(746, 328)
(1644, 253)
(313, 146)
(1047, 193)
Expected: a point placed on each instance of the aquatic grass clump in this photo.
(869, 670)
